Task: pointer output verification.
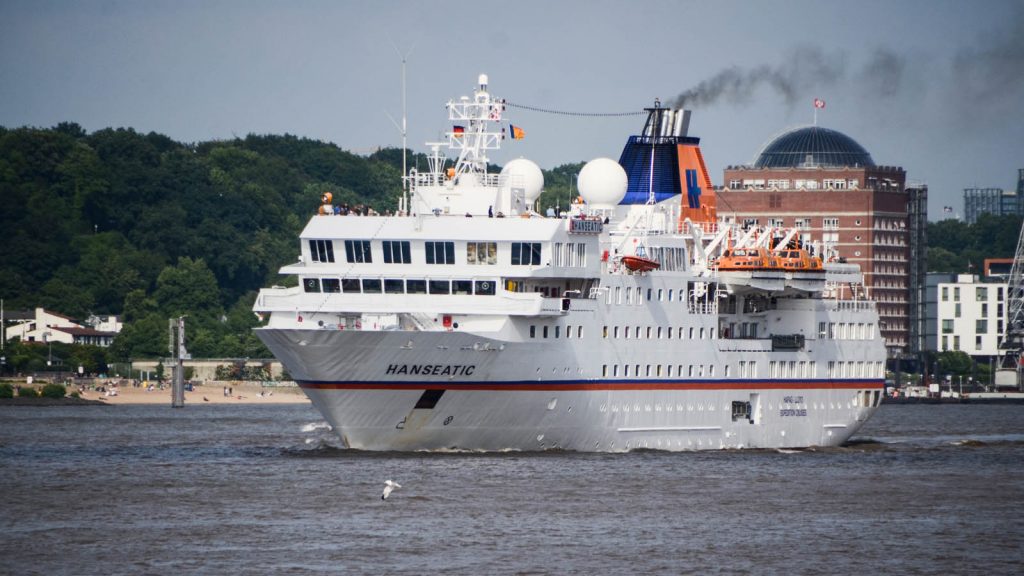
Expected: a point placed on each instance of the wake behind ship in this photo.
(639, 320)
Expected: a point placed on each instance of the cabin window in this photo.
(394, 286)
(416, 286)
(396, 252)
(440, 287)
(311, 284)
(321, 250)
(526, 253)
(440, 252)
(481, 253)
(370, 286)
(332, 285)
(484, 287)
(462, 286)
(545, 331)
(533, 331)
(358, 251)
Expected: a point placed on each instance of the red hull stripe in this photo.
(570, 386)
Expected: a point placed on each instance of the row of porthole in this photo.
(711, 407)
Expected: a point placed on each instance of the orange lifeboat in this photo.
(747, 259)
(798, 260)
(640, 264)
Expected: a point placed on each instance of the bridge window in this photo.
(440, 252)
(440, 287)
(331, 285)
(481, 253)
(394, 286)
(484, 287)
(416, 286)
(321, 250)
(396, 252)
(358, 251)
(526, 253)
(370, 286)
(311, 284)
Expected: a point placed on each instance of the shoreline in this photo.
(241, 393)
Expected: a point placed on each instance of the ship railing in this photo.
(270, 298)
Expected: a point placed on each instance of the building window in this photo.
(526, 253)
(481, 253)
(947, 326)
(945, 293)
(358, 251)
(980, 326)
(396, 252)
(980, 294)
(440, 252)
(830, 223)
(321, 250)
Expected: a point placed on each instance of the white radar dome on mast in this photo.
(524, 175)
(602, 183)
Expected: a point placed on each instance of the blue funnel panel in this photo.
(636, 160)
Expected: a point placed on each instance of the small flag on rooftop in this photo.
(516, 132)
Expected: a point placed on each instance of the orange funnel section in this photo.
(699, 203)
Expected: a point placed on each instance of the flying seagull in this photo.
(389, 485)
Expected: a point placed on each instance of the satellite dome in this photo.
(522, 173)
(813, 146)
(602, 183)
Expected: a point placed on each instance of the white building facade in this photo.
(971, 315)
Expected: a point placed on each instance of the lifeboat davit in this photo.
(640, 264)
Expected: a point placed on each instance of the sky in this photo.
(934, 86)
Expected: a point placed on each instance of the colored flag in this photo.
(947, 209)
(458, 131)
(819, 103)
(516, 132)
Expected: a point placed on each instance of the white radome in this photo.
(522, 173)
(602, 183)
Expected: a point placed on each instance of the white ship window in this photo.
(615, 370)
(659, 333)
(332, 285)
(637, 371)
(311, 284)
(358, 251)
(545, 332)
(604, 370)
(711, 370)
(579, 331)
(691, 333)
(440, 287)
(728, 370)
(370, 286)
(526, 253)
(615, 332)
(669, 294)
(481, 253)
(669, 333)
(484, 287)
(394, 286)
(649, 290)
(690, 371)
(604, 332)
(618, 294)
(533, 331)
(568, 331)
(396, 252)
(625, 371)
(629, 296)
(462, 286)
(648, 371)
(659, 370)
(440, 252)
(416, 286)
(661, 295)
(321, 250)
(648, 329)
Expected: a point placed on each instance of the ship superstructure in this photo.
(469, 321)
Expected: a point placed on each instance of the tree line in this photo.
(138, 225)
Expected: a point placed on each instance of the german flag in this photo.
(516, 132)
(458, 131)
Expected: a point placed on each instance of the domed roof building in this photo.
(827, 185)
(813, 146)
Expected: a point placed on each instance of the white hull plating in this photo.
(592, 420)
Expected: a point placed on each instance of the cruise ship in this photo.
(636, 319)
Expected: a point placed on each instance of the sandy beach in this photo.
(210, 393)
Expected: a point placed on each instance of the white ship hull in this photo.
(486, 397)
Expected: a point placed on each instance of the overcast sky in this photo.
(936, 87)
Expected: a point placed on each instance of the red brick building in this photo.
(826, 184)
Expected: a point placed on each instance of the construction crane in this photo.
(1012, 345)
